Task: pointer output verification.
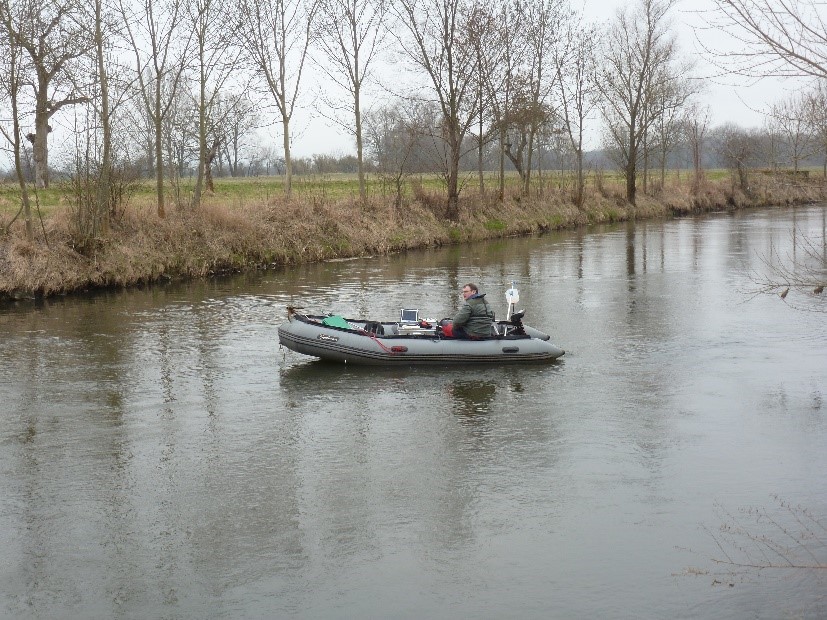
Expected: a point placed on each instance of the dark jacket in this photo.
(475, 316)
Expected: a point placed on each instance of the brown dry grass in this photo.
(234, 235)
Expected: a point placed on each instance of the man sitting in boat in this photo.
(473, 321)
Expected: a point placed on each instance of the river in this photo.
(162, 457)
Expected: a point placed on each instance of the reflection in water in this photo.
(472, 398)
(160, 457)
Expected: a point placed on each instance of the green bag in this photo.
(336, 321)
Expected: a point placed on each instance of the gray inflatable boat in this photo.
(411, 341)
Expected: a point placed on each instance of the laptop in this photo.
(407, 315)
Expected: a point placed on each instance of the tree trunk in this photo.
(502, 165)
(40, 140)
(104, 194)
(14, 88)
(452, 212)
(529, 153)
(288, 162)
(479, 149)
(360, 159)
(696, 164)
(645, 163)
(209, 157)
(631, 187)
(202, 131)
(159, 150)
(631, 165)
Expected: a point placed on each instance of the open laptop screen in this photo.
(409, 316)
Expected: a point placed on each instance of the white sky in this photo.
(731, 99)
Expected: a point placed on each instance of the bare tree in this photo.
(578, 94)
(773, 37)
(509, 47)
(215, 63)
(639, 56)
(817, 118)
(438, 44)
(790, 120)
(239, 119)
(392, 140)
(484, 37)
(160, 45)
(350, 35)
(802, 271)
(544, 20)
(108, 92)
(669, 110)
(10, 78)
(276, 35)
(530, 79)
(738, 148)
(696, 123)
(52, 34)
(92, 195)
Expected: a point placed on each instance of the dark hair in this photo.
(473, 287)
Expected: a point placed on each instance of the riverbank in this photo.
(223, 236)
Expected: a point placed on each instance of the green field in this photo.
(325, 187)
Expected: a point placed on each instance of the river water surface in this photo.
(161, 457)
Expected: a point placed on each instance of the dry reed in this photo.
(235, 235)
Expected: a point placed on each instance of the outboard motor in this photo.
(512, 296)
(517, 322)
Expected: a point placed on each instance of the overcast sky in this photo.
(730, 98)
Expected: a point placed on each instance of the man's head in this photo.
(469, 289)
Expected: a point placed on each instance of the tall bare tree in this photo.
(392, 139)
(276, 36)
(215, 62)
(739, 148)
(484, 37)
(578, 94)
(499, 74)
(669, 105)
(238, 120)
(160, 45)
(436, 41)
(790, 119)
(544, 21)
(638, 65)
(350, 36)
(696, 124)
(52, 34)
(10, 77)
(103, 28)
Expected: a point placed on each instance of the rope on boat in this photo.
(376, 340)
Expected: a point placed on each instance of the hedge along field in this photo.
(248, 223)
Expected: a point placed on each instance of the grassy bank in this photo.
(248, 226)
